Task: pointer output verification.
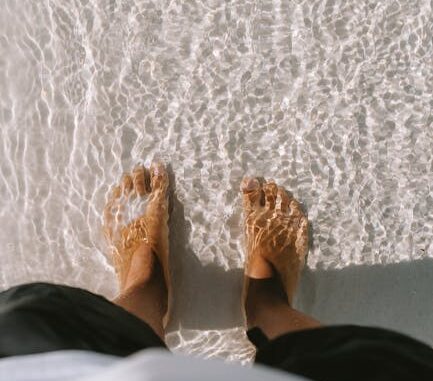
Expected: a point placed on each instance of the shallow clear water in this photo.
(332, 99)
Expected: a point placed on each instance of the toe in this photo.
(127, 184)
(302, 238)
(295, 209)
(108, 214)
(271, 190)
(283, 200)
(116, 193)
(140, 179)
(158, 177)
(252, 193)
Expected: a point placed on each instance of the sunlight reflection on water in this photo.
(331, 99)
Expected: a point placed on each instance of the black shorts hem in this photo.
(346, 353)
(43, 317)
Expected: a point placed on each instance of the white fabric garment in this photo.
(147, 365)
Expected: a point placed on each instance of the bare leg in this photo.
(140, 247)
(145, 294)
(276, 232)
(267, 308)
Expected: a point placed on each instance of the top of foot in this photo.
(276, 232)
(137, 213)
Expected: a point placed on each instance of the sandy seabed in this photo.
(333, 99)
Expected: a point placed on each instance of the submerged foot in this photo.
(276, 232)
(136, 226)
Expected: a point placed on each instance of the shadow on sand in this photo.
(205, 297)
(396, 296)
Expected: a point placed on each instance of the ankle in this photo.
(143, 268)
(148, 276)
(263, 296)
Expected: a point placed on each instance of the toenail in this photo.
(158, 169)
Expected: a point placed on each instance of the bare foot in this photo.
(276, 232)
(136, 220)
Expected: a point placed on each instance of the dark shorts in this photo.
(42, 317)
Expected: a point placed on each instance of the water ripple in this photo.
(333, 99)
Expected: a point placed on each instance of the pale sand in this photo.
(331, 99)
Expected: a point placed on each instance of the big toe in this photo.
(252, 193)
(158, 177)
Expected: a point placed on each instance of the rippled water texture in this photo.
(331, 98)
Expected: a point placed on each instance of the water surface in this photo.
(331, 98)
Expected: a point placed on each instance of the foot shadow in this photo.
(204, 297)
(395, 296)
